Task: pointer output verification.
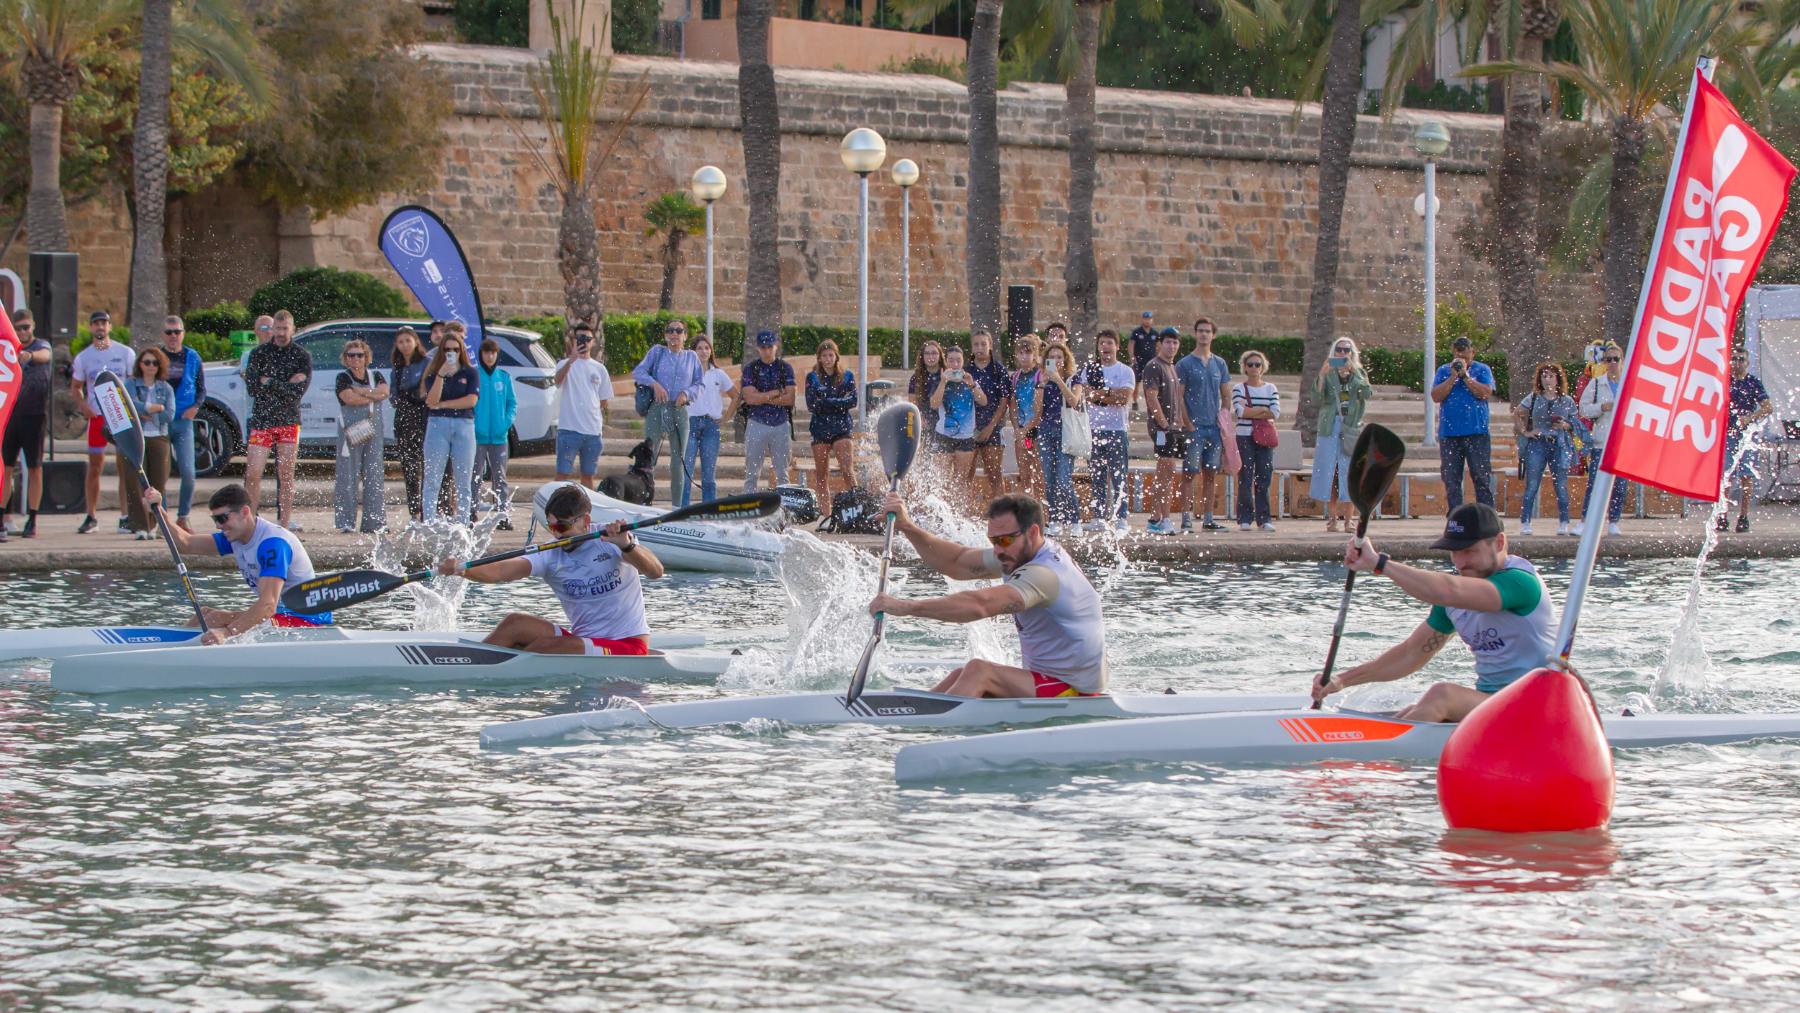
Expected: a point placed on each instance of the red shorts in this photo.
(606, 645)
(1049, 686)
(96, 434)
(288, 622)
(278, 434)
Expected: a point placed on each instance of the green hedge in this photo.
(211, 347)
(313, 294)
(220, 319)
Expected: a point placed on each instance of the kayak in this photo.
(421, 658)
(61, 641)
(1278, 737)
(696, 545)
(900, 708)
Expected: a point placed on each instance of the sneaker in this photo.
(346, 531)
(1187, 521)
(3, 535)
(88, 524)
(1266, 526)
(1121, 525)
(1562, 528)
(1525, 528)
(1575, 528)
(1743, 523)
(1212, 525)
(1158, 528)
(124, 526)
(1613, 529)
(1243, 527)
(1724, 523)
(30, 528)
(1096, 526)
(504, 525)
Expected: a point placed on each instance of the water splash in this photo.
(1687, 672)
(827, 587)
(435, 602)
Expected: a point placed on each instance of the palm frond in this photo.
(215, 31)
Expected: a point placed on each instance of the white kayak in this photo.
(61, 641)
(684, 545)
(416, 660)
(900, 708)
(1277, 737)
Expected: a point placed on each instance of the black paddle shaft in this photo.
(1374, 465)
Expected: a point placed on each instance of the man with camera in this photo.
(1461, 389)
(584, 387)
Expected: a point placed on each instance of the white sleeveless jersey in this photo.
(1063, 637)
(599, 591)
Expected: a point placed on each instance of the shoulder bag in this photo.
(1077, 433)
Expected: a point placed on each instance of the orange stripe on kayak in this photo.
(1348, 729)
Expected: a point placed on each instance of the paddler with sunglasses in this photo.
(269, 556)
(1061, 638)
(596, 581)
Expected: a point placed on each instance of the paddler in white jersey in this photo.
(269, 556)
(1057, 611)
(1496, 602)
(596, 581)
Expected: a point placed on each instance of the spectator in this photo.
(148, 385)
(101, 354)
(1462, 388)
(29, 422)
(494, 414)
(1057, 390)
(277, 376)
(1169, 427)
(1545, 420)
(1025, 381)
(1749, 406)
(672, 372)
(768, 390)
(264, 327)
(1110, 386)
(451, 392)
(990, 416)
(1143, 349)
(705, 414)
(361, 471)
(1343, 392)
(408, 389)
(1598, 399)
(188, 378)
(584, 387)
(1251, 401)
(830, 397)
(927, 374)
(955, 402)
(1205, 391)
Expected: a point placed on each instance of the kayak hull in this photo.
(707, 547)
(902, 708)
(1282, 737)
(58, 642)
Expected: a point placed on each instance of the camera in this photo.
(1457, 366)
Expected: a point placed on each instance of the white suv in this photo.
(220, 427)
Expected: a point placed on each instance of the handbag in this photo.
(646, 394)
(1077, 433)
(360, 432)
(1263, 434)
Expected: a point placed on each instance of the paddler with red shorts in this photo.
(269, 556)
(1061, 638)
(596, 581)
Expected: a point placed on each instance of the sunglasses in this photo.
(221, 519)
(676, 330)
(1253, 364)
(146, 362)
(1002, 541)
(356, 355)
(171, 330)
(558, 526)
(1613, 358)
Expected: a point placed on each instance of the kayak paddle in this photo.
(352, 587)
(897, 430)
(122, 422)
(1374, 465)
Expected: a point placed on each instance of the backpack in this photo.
(856, 511)
(800, 503)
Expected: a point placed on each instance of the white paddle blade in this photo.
(121, 416)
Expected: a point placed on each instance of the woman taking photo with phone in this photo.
(1342, 391)
(1026, 380)
(954, 401)
(1056, 392)
(451, 391)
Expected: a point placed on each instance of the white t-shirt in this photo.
(599, 591)
(116, 356)
(711, 401)
(584, 386)
(1112, 417)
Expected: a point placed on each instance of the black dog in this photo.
(638, 484)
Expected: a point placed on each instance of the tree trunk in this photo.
(1081, 278)
(1516, 206)
(150, 170)
(982, 242)
(578, 255)
(759, 115)
(46, 222)
(1337, 134)
(671, 259)
(1623, 251)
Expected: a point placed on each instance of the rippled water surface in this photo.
(354, 849)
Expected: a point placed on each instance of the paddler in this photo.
(269, 556)
(1057, 611)
(596, 581)
(1495, 601)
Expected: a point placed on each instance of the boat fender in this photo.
(1532, 758)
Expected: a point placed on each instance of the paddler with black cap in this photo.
(1495, 601)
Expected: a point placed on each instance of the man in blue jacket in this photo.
(494, 415)
(188, 376)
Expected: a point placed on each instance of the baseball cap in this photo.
(1468, 524)
(765, 339)
(1149, 313)
(99, 315)
(1461, 343)
(1169, 332)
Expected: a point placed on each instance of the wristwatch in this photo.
(1381, 562)
(629, 546)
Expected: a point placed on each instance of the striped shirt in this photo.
(1261, 396)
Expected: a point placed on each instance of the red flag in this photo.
(12, 377)
(1728, 190)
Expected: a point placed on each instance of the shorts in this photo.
(274, 435)
(289, 622)
(993, 440)
(637, 646)
(571, 446)
(952, 444)
(1173, 445)
(24, 433)
(96, 434)
(1205, 449)
(1050, 687)
(1745, 469)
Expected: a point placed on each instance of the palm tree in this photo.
(1081, 276)
(759, 117)
(981, 245)
(674, 215)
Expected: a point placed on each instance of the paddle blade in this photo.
(747, 507)
(337, 590)
(1374, 465)
(121, 416)
(897, 429)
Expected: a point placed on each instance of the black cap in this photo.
(1468, 524)
(1462, 342)
(99, 315)
(1169, 332)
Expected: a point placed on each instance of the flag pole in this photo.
(1601, 495)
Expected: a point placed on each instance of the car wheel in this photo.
(215, 441)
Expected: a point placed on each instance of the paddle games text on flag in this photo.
(12, 377)
(428, 258)
(1727, 191)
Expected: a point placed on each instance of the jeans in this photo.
(1253, 481)
(1477, 453)
(703, 441)
(1059, 483)
(666, 419)
(1615, 506)
(181, 444)
(1107, 465)
(490, 465)
(1539, 454)
(360, 474)
(451, 440)
(762, 441)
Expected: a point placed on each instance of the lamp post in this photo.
(708, 185)
(906, 173)
(1430, 140)
(862, 152)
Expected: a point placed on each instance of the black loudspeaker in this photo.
(1019, 299)
(63, 492)
(51, 294)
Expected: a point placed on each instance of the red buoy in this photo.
(1532, 758)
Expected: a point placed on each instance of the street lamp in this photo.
(862, 152)
(708, 185)
(1430, 140)
(906, 173)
